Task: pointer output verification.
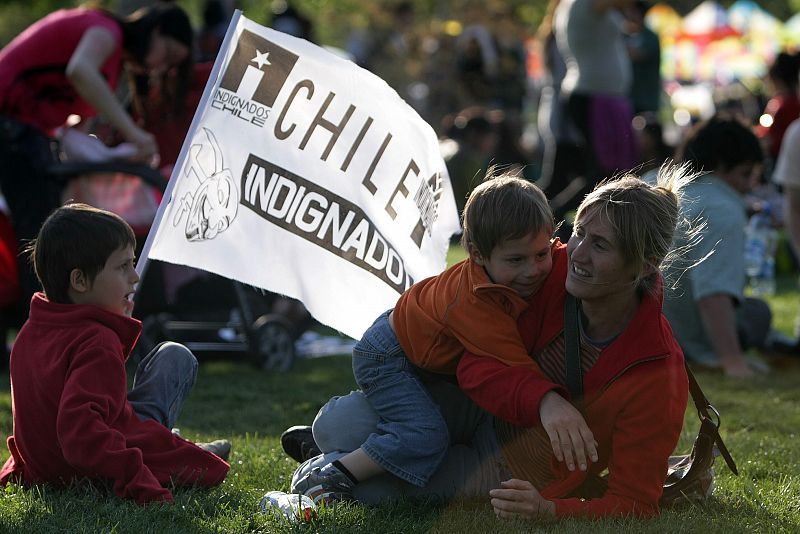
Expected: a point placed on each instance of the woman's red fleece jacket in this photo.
(634, 402)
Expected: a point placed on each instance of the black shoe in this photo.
(780, 344)
(298, 442)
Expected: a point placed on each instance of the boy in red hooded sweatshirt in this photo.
(73, 414)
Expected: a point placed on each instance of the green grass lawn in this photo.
(761, 426)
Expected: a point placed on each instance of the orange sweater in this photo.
(438, 318)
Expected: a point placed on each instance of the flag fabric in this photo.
(305, 175)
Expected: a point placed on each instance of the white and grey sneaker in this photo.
(325, 484)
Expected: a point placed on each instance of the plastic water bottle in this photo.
(293, 506)
(759, 252)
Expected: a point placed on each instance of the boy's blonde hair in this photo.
(76, 236)
(644, 217)
(504, 207)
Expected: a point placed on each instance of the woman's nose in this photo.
(575, 247)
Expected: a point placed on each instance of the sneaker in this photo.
(220, 447)
(779, 343)
(325, 485)
(298, 442)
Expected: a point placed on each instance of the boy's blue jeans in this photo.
(472, 466)
(162, 383)
(412, 437)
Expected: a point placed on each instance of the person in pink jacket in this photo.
(73, 414)
(69, 64)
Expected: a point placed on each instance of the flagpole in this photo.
(144, 259)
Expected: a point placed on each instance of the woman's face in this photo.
(597, 268)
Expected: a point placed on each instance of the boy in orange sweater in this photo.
(473, 305)
(73, 415)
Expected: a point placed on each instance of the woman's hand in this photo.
(569, 434)
(517, 498)
(145, 143)
(84, 72)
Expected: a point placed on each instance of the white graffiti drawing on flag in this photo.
(212, 206)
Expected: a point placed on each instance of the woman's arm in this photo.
(510, 393)
(719, 318)
(792, 210)
(84, 72)
(644, 435)
(518, 498)
(652, 402)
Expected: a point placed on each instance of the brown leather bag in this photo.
(690, 477)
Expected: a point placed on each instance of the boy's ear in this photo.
(78, 281)
(474, 255)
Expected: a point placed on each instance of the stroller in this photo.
(217, 317)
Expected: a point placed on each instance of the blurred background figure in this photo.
(510, 93)
(784, 105)
(472, 139)
(217, 16)
(89, 49)
(562, 157)
(477, 57)
(439, 71)
(644, 50)
(389, 47)
(787, 176)
(653, 148)
(712, 319)
(597, 88)
(287, 19)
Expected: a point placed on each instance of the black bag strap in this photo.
(572, 346)
(703, 408)
(574, 378)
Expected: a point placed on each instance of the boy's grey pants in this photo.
(162, 383)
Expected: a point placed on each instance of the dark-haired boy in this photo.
(73, 415)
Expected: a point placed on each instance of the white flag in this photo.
(310, 177)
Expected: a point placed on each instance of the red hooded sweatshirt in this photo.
(72, 417)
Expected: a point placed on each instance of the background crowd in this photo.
(566, 94)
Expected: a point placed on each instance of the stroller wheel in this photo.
(274, 344)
